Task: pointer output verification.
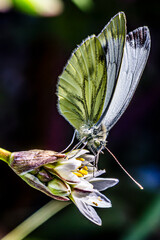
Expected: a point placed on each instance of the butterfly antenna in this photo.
(74, 134)
(139, 185)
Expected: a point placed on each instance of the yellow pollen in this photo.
(84, 172)
(78, 174)
(81, 159)
(85, 168)
(95, 203)
(99, 198)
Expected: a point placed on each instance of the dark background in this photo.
(33, 51)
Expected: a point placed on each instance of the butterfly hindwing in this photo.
(135, 56)
(82, 84)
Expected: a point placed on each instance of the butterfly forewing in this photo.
(112, 39)
(82, 84)
(135, 56)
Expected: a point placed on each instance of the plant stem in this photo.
(148, 223)
(4, 155)
(35, 220)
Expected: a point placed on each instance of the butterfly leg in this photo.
(78, 144)
(84, 144)
(97, 156)
(74, 134)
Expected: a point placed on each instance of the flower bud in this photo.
(25, 161)
(59, 188)
(44, 176)
(30, 166)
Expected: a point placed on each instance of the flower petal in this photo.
(77, 153)
(89, 158)
(99, 172)
(71, 164)
(69, 177)
(93, 173)
(66, 174)
(82, 187)
(102, 184)
(87, 211)
(97, 199)
(92, 197)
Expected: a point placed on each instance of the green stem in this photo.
(35, 220)
(147, 224)
(4, 155)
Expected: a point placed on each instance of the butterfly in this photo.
(100, 78)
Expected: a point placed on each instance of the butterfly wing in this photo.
(90, 72)
(135, 56)
(82, 84)
(112, 39)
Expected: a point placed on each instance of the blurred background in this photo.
(36, 40)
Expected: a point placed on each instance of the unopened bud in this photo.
(29, 165)
(44, 176)
(59, 188)
(26, 161)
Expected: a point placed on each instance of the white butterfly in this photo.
(100, 79)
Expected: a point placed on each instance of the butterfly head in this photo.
(95, 136)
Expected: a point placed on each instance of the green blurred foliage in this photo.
(34, 7)
(84, 5)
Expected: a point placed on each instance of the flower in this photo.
(85, 191)
(70, 176)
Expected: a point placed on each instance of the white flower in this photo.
(85, 186)
(65, 177)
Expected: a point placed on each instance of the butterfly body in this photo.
(100, 78)
(95, 136)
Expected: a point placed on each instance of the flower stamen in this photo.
(96, 204)
(78, 174)
(82, 171)
(85, 168)
(99, 198)
(81, 159)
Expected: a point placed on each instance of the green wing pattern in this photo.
(82, 84)
(112, 39)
